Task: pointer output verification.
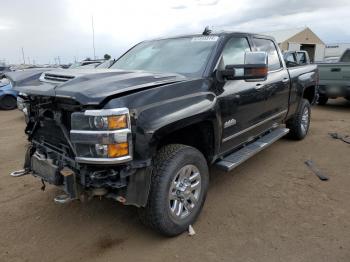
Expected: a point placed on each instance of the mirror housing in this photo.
(255, 67)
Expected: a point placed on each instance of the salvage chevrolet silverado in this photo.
(144, 131)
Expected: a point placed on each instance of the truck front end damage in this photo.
(86, 152)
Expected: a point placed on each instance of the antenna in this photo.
(24, 60)
(93, 35)
(206, 31)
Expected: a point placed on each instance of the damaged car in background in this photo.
(145, 131)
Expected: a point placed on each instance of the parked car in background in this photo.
(106, 64)
(92, 63)
(335, 79)
(331, 59)
(145, 131)
(296, 58)
(4, 69)
(7, 95)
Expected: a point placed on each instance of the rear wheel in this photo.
(300, 123)
(322, 100)
(179, 186)
(8, 102)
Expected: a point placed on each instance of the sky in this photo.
(47, 29)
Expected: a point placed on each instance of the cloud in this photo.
(47, 29)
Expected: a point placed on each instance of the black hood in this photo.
(89, 87)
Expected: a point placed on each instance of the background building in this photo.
(336, 50)
(300, 39)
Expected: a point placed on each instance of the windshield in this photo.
(186, 55)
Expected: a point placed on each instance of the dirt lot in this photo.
(271, 208)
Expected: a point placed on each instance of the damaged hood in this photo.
(88, 86)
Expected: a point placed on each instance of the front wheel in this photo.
(179, 186)
(300, 123)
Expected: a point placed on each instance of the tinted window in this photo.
(346, 56)
(301, 58)
(234, 51)
(268, 46)
(290, 58)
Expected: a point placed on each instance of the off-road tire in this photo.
(8, 102)
(168, 161)
(295, 124)
(322, 100)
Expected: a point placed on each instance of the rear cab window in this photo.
(290, 57)
(301, 58)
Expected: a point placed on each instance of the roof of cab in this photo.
(216, 33)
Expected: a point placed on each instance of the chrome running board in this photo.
(235, 159)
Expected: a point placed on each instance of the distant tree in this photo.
(107, 56)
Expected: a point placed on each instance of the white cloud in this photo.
(47, 29)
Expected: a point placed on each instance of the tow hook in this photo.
(62, 199)
(70, 187)
(19, 173)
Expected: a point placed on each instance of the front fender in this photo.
(156, 121)
(159, 111)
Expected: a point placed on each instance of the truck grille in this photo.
(57, 78)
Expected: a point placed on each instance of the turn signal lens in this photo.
(118, 150)
(117, 122)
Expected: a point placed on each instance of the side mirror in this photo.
(255, 67)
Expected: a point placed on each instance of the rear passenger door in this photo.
(277, 82)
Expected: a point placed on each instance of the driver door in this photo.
(242, 102)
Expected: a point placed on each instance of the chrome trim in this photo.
(107, 112)
(254, 126)
(99, 137)
(87, 160)
(76, 131)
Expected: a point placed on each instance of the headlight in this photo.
(102, 136)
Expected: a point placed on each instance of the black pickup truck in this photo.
(145, 131)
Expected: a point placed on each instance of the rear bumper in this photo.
(334, 91)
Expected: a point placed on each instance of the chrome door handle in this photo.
(259, 86)
(285, 80)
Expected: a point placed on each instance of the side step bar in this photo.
(235, 159)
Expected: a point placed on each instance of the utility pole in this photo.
(93, 35)
(59, 60)
(28, 60)
(24, 60)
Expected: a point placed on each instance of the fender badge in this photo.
(229, 123)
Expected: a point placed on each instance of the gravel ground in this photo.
(271, 208)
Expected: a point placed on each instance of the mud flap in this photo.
(139, 187)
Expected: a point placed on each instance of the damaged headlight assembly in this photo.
(102, 136)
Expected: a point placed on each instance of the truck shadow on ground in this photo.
(335, 105)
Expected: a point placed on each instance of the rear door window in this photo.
(234, 51)
(266, 45)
